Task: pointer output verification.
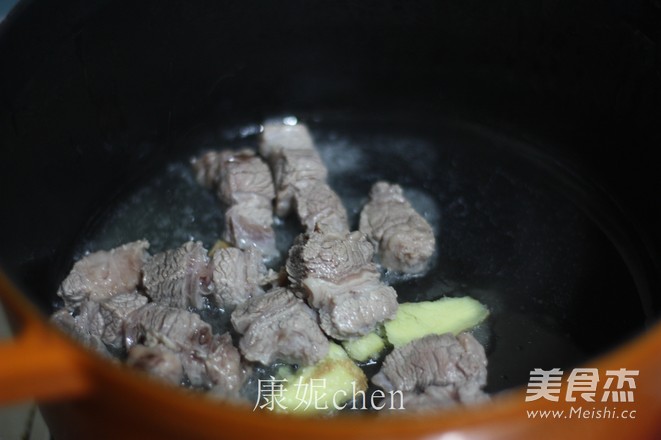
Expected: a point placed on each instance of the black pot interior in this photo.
(526, 130)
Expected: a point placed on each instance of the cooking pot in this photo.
(541, 120)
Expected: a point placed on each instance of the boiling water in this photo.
(504, 230)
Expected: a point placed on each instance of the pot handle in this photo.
(39, 363)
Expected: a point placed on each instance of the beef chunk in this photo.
(300, 177)
(317, 205)
(102, 274)
(178, 330)
(331, 257)
(224, 367)
(217, 367)
(236, 176)
(294, 170)
(99, 323)
(207, 360)
(405, 241)
(335, 274)
(175, 328)
(294, 161)
(436, 371)
(237, 276)
(64, 320)
(277, 137)
(250, 226)
(358, 310)
(223, 370)
(179, 277)
(85, 325)
(88, 318)
(243, 177)
(114, 311)
(158, 361)
(279, 326)
(244, 183)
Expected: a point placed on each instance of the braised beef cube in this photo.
(277, 136)
(293, 159)
(175, 328)
(244, 176)
(293, 170)
(85, 324)
(335, 273)
(329, 256)
(179, 277)
(114, 311)
(237, 276)
(250, 226)
(243, 182)
(206, 360)
(436, 370)
(178, 330)
(158, 361)
(356, 309)
(318, 206)
(404, 240)
(279, 326)
(102, 274)
(227, 374)
(299, 176)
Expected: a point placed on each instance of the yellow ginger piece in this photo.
(415, 320)
(321, 388)
(365, 348)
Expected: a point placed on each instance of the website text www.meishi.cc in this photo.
(583, 412)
